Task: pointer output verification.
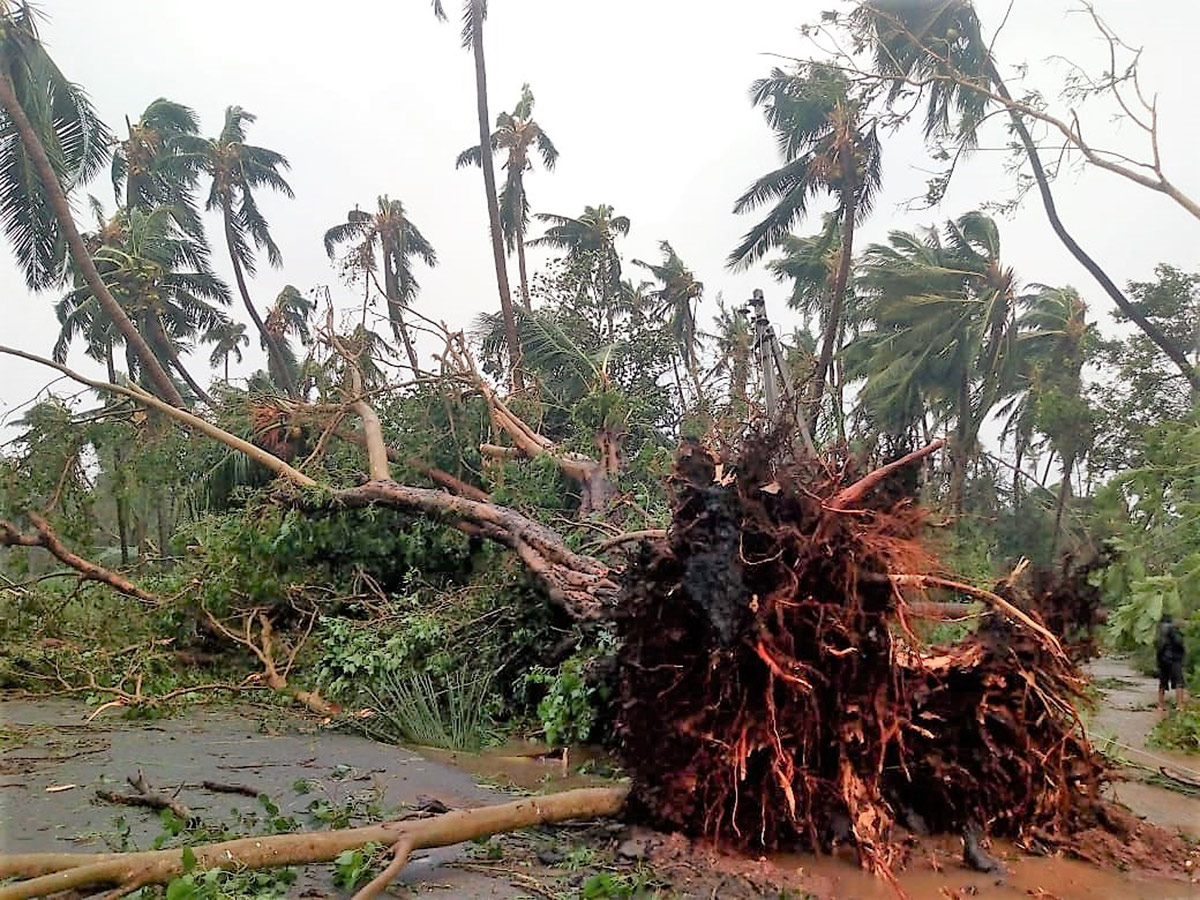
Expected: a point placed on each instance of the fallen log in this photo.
(50, 873)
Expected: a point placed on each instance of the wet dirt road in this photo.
(49, 745)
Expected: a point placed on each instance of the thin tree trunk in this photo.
(79, 254)
(1173, 352)
(1064, 492)
(958, 470)
(177, 365)
(226, 370)
(521, 269)
(493, 204)
(119, 474)
(1016, 488)
(833, 326)
(289, 383)
(396, 311)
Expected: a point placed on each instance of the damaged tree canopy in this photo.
(773, 694)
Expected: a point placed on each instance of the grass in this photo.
(412, 708)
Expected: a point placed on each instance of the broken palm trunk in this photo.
(772, 694)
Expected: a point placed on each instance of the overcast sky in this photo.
(645, 99)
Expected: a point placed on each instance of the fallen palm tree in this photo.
(774, 696)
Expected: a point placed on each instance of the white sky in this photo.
(646, 101)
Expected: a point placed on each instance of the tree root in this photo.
(49, 873)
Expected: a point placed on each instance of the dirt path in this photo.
(1124, 717)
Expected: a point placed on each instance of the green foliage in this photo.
(568, 709)
(355, 867)
(451, 713)
(620, 886)
(1178, 730)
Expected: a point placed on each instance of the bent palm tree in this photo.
(675, 301)
(941, 44)
(944, 332)
(160, 277)
(517, 133)
(829, 145)
(388, 234)
(237, 169)
(156, 165)
(473, 17)
(288, 316)
(54, 141)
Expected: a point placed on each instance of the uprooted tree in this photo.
(772, 690)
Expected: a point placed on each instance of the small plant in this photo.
(612, 886)
(566, 712)
(412, 708)
(355, 867)
(1179, 730)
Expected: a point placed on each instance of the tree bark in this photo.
(1064, 492)
(11, 536)
(273, 349)
(396, 309)
(521, 269)
(50, 873)
(493, 203)
(160, 335)
(1173, 352)
(79, 253)
(961, 448)
(833, 326)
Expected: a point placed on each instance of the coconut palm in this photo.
(518, 134)
(1054, 341)
(237, 169)
(227, 339)
(940, 44)
(674, 300)
(590, 244)
(162, 281)
(288, 316)
(55, 142)
(387, 235)
(829, 145)
(473, 17)
(157, 164)
(943, 311)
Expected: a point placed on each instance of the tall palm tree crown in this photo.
(157, 164)
(518, 135)
(387, 235)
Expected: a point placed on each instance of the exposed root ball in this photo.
(773, 695)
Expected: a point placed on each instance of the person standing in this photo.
(1168, 650)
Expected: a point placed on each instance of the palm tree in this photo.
(944, 332)
(162, 281)
(392, 235)
(237, 169)
(55, 142)
(473, 17)
(829, 145)
(940, 43)
(227, 339)
(674, 300)
(517, 133)
(1055, 338)
(590, 243)
(157, 165)
(288, 316)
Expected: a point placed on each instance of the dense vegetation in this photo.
(562, 409)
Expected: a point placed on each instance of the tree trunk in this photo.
(79, 254)
(177, 364)
(1064, 492)
(1016, 488)
(118, 473)
(226, 370)
(521, 268)
(833, 326)
(396, 310)
(962, 441)
(493, 204)
(1173, 352)
(289, 385)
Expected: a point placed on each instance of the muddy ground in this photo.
(52, 762)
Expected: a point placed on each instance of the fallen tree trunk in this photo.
(50, 873)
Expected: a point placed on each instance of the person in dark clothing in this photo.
(1168, 650)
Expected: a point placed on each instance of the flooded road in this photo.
(52, 762)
